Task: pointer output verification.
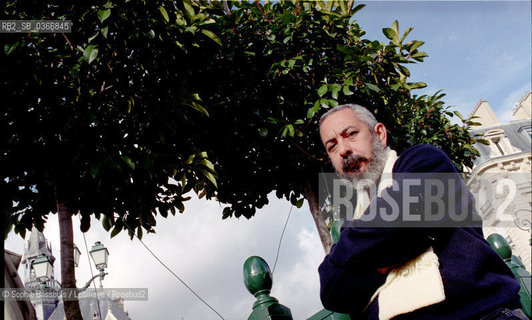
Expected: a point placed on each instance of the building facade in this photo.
(501, 176)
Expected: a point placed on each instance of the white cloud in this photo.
(298, 285)
(505, 112)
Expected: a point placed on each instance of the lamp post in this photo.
(43, 269)
(99, 254)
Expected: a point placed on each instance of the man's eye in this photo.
(331, 147)
(352, 133)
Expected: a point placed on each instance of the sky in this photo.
(477, 50)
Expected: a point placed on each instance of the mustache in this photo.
(352, 160)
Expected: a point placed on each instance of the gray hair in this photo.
(362, 114)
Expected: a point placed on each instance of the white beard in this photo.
(373, 171)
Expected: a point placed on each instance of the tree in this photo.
(96, 121)
(283, 64)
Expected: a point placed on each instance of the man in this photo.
(389, 270)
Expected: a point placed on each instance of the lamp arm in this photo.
(86, 286)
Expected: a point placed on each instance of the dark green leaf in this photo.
(291, 131)
(164, 13)
(322, 90)
(310, 113)
(116, 230)
(332, 103)
(395, 26)
(347, 91)
(405, 34)
(85, 223)
(209, 176)
(90, 53)
(189, 11)
(213, 37)
(418, 85)
(415, 45)
(419, 56)
(284, 132)
(389, 33)
(346, 49)
(316, 106)
(335, 88)
(357, 8)
(129, 162)
(93, 37)
(207, 163)
(226, 213)
(373, 87)
(106, 223)
(404, 70)
(104, 14)
(199, 108)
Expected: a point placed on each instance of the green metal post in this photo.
(501, 246)
(258, 280)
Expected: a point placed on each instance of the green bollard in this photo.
(258, 280)
(501, 246)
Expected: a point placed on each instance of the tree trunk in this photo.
(68, 273)
(312, 197)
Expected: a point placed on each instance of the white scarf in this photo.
(414, 285)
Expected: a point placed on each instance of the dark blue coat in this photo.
(476, 280)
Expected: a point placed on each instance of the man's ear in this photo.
(380, 131)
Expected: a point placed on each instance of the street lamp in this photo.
(99, 255)
(77, 253)
(43, 268)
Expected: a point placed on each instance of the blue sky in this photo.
(477, 50)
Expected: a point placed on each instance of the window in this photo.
(526, 131)
(498, 145)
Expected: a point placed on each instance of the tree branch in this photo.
(69, 43)
(305, 152)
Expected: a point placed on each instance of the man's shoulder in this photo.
(423, 158)
(421, 150)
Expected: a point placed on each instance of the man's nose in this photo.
(345, 149)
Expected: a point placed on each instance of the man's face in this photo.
(351, 145)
